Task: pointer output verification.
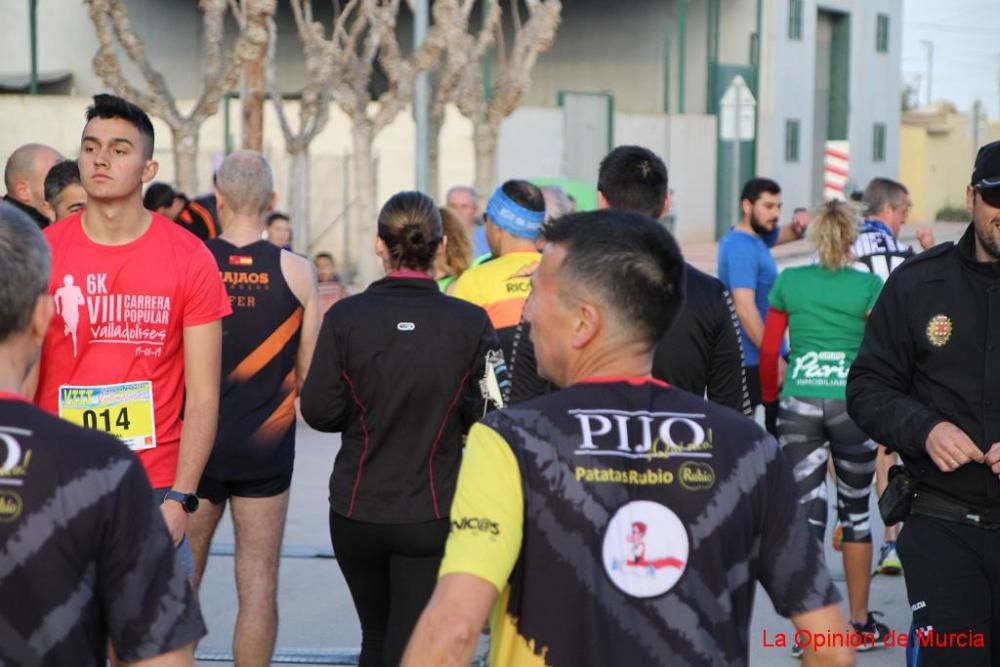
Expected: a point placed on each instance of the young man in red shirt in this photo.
(137, 333)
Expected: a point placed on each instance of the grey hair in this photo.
(245, 181)
(557, 203)
(882, 191)
(25, 267)
(467, 189)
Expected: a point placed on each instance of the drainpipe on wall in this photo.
(666, 66)
(33, 27)
(756, 80)
(712, 55)
(681, 51)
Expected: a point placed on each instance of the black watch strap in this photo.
(188, 501)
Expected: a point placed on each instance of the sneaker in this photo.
(873, 632)
(888, 562)
(838, 537)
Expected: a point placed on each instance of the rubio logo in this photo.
(10, 506)
(696, 476)
(482, 525)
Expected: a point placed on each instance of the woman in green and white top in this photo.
(824, 306)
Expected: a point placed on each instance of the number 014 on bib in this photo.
(123, 410)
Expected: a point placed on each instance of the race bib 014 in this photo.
(123, 410)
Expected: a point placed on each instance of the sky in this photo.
(966, 50)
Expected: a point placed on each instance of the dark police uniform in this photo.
(931, 354)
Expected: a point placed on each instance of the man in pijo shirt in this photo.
(619, 521)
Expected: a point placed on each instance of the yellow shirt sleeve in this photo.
(487, 514)
(465, 287)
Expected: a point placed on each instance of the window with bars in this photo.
(882, 33)
(794, 19)
(878, 143)
(791, 141)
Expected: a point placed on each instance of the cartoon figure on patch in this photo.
(68, 300)
(635, 540)
(645, 549)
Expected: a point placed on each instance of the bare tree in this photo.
(363, 38)
(220, 70)
(314, 112)
(465, 48)
(510, 78)
(252, 86)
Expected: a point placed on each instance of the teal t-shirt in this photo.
(826, 322)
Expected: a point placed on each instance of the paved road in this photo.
(315, 605)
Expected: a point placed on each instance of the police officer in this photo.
(926, 382)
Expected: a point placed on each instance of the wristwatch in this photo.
(188, 501)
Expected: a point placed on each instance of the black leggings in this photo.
(391, 570)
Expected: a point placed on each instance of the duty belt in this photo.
(932, 505)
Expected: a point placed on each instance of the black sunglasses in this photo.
(990, 196)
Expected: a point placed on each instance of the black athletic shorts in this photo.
(217, 491)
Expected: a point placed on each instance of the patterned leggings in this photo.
(808, 429)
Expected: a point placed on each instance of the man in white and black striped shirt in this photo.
(879, 251)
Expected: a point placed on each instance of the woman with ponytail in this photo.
(401, 371)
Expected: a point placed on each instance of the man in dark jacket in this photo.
(701, 352)
(926, 382)
(24, 178)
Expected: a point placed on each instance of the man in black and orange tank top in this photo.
(266, 351)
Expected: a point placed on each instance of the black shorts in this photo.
(217, 491)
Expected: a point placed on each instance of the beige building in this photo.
(936, 150)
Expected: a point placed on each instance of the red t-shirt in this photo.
(117, 335)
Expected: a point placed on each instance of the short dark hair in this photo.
(277, 215)
(324, 255)
(158, 195)
(60, 176)
(755, 187)
(800, 209)
(634, 178)
(526, 194)
(25, 266)
(112, 106)
(410, 226)
(629, 260)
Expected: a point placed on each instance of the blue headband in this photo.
(513, 218)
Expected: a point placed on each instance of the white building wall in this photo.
(788, 92)
(876, 86)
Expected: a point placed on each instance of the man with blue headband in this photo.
(501, 285)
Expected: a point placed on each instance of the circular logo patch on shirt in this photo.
(645, 549)
(10, 506)
(939, 330)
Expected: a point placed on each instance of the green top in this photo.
(826, 322)
(444, 281)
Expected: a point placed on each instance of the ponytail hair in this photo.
(832, 231)
(410, 226)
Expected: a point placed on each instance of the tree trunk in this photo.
(434, 157)
(186, 159)
(298, 199)
(252, 97)
(484, 139)
(363, 220)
